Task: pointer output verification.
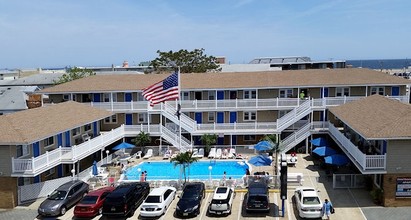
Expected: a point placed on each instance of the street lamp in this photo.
(107, 151)
(73, 172)
(210, 168)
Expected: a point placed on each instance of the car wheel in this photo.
(100, 211)
(63, 210)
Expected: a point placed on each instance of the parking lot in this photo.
(345, 203)
(237, 210)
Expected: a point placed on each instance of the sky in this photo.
(57, 33)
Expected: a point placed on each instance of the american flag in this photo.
(164, 90)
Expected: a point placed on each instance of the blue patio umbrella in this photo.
(94, 169)
(263, 145)
(260, 160)
(337, 159)
(319, 142)
(324, 151)
(123, 145)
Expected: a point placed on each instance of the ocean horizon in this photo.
(381, 63)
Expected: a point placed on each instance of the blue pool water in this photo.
(164, 170)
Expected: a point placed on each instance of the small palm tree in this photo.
(208, 140)
(142, 139)
(184, 160)
(272, 138)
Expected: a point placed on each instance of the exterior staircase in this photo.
(294, 115)
(295, 138)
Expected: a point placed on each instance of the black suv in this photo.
(190, 199)
(125, 199)
(257, 197)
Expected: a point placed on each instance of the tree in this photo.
(208, 140)
(189, 61)
(184, 160)
(142, 139)
(73, 74)
(272, 138)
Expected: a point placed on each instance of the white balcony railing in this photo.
(366, 162)
(234, 104)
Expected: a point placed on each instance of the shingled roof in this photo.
(232, 80)
(31, 125)
(376, 117)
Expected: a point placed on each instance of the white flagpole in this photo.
(179, 104)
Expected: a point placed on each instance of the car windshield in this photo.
(153, 199)
(311, 201)
(58, 195)
(190, 192)
(258, 199)
(89, 200)
(221, 190)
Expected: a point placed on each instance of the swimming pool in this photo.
(164, 170)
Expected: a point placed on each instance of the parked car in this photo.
(257, 197)
(158, 201)
(92, 204)
(125, 199)
(190, 199)
(308, 202)
(64, 197)
(222, 201)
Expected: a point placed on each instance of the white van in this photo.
(222, 201)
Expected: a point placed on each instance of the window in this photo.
(211, 95)
(87, 127)
(50, 171)
(49, 141)
(66, 97)
(286, 93)
(75, 131)
(167, 193)
(342, 91)
(23, 181)
(140, 96)
(249, 137)
(250, 94)
(107, 96)
(250, 116)
(281, 113)
(377, 90)
(142, 117)
(22, 150)
(185, 95)
(111, 119)
(211, 116)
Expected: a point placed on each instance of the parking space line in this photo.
(358, 206)
(241, 206)
(204, 212)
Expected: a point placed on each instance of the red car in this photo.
(92, 204)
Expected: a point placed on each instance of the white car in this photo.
(157, 201)
(308, 202)
(222, 201)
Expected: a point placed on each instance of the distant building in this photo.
(299, 63)
(16, 98)
(281, 63)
